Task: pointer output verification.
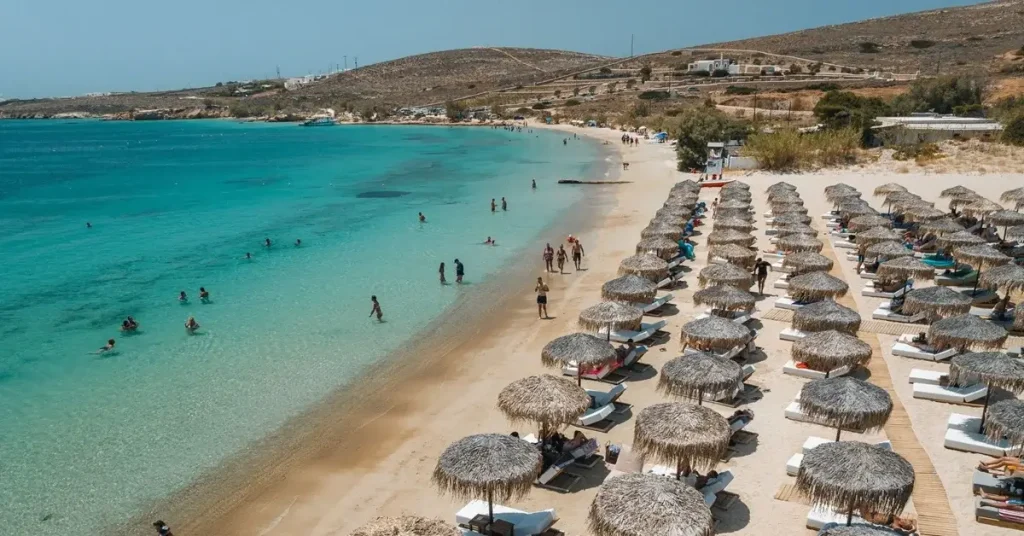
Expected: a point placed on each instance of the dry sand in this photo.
(383, 465)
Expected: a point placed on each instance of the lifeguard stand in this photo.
(715, 160)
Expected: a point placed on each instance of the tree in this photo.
(795, 69)
(630, 83)
(454, 110)
(592, 90)
(612, 86)
(941, 95)
(558, 93)
(645, 73)
(1013, 131)
(695, 128)
(604, 70)
(844, 109)
(869, 48)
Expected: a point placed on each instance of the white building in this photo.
(930, 128)
(709, 66)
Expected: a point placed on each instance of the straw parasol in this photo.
(694, 437)
(406, 526)
(730, 237)
(741, 195)
(629, 288)
(981, 254)
(1006, 218)
(611, 315)
(782, 194)
(796, 229)
(1008, 277)
(790, 218)
(875, 235)
(845, 402)
(641, 504)
(868, 221)
(856, 209)
(1006, 419)
(662, 229)
(889, 188)
(896, 197)
(1014, 233)
(828, 350)
(805, 262)
(955, 191)
(688, 184)
(797, 243)
(964, 199)
(922, 213)
(849, 475)
(673, 212)
(981, 208)
(959, 239)
(859, 530)
(780, 186)
(781, 200)
(726, 297)
(994, 369)
(733, 213)
(904, 268)
(838, 196)
(725, 274)
(496, 466)
(734, 204)
(966, 331)
(825, 315)
(890, 249)
(733, 224)
(839, 186)
(700, 374)
(1018, 317)
(734, 254)
(579, 350)
(662, 247)
(550, 401)
(650, 266)
(789, 209)
(937, 302)
(715, 333)
(816, 286)
(736, 184)
(1016, 194)
(940, 226)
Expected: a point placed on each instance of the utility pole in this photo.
(278, 67)
(357, 62)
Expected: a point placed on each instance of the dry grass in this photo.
(968, 157)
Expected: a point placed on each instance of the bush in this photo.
(788, 150)
(1013, 131)
(454, 110)
(969, 110)
(844, 109)
(922, 43)
(604, 70)
(645, 73)
(572, 102)
(719, 73)
(795, 69)
(941, 95)
(740, 90)
(695, 128)
(868, 48)
(540, 106)
(676, 53)
(654, 95)
(921, 153)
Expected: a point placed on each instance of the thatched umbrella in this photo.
(550, 401)
(798, 243)
(828, 350)
(940, 226)
(790, 218)
(650, 266)
(867, 221)
(662, 247)
(964, 199)
(859, 530)
(825, 315)
(741, 195)
(981, 208)
(875, 235)
(738, 205)
(850, 475)
(733, 224)
(715, 333)
(922, 213)
(890, 249)
(902, 197)
(840, 196)
(966, 331)
(1006, 419)
(782, 196)
(839, 186)
(699, 374)
(662, 230)
(734, 254)
(959, 239)
(579, 349)
(406, 526)
(816, 286)
(937, 302)
(686, 203)
(670, 212)
(726, 297)
(780, 186)
(691, 436)
(688, 184)
(889, 188)
(733, 214)
(611, 315)
(496, 466)
(646, 504)
(852, 210)
(981, 254)
(779, 201)
(1015, 233)
(994, 369)
(725, 274)
(806, 262)
(1009, 278)
(730, 237)
(845, 402)
(904, 268)
(1016, 194)
(955, 191)
(796, 229)
(1018, 317)
(630, 289)
(789, 209)
(1007, 219)
(736, 185)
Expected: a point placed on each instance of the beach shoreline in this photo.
(216, 501)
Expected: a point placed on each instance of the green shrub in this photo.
(922, 43)
(572, 102)
(941, 95)
(1013, 131)
(868, 48)
(695, 128)
(645, 73)
(676, 53)
(719, 73)
(740, 90)
(654, 95)
(788, 150)
(605, 70)
(540, 106)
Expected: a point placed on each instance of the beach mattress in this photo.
(931, 377)
(791, 369)
(791, 334)
(604, 398)
(884, 313)
(817, 518)
(949, 394)
(962, 433)
(903, 349)
(596, 415)
(787, 302)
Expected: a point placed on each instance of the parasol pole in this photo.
(981, 264)
(490, 508)
(838, 431)
(984, 410)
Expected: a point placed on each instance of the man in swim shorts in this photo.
(761, 268)
(577, 253)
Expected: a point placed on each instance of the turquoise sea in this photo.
(86, 440)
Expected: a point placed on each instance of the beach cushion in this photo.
(962, 433)
(952, 395)
(818, 518)
(791, 369)
(596, 415)
(932, 377)
(791, 334)
(787, 302)
(884, 313)
(525, 523)
(903, 349)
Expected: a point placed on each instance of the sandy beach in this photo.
(377, 456)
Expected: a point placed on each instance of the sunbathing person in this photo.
(741, 415)
(577, 441)
(1004, 465)
(624, 351)
(904, 525)
(703, 480)
(889, 286)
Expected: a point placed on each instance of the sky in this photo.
(71, 47)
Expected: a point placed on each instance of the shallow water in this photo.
(87, 439)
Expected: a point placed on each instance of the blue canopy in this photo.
(661, 136)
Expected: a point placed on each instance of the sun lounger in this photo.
(996, 516)
(724, 354)
(793, 412)
(781, 283)
(610, 397)
(788, 302)
(791, 334)
(622, 335)
(904, 349)
(657, 304)
(870, 276)
(676, 262)
(556, 477)
(937, 263)
(716, 486)
(986, 482)
(852, 257)
(965, 280)
(778, 267)
(962, 434)
(609, 373)
(791, 369)
(817, 518)
(949, 394)
(525, 523)
(884, 313)
(668, 282)
(872, 291)
(739, 317)
(844, 244)
(597, 418)
(634, 357)
(927, 377)
(628, 462)
(829, 215)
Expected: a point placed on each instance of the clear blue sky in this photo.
(69, 47)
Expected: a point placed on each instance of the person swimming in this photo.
(204, 294)
(108, 347)
(129, 324)
(266, 242)
(423, 219)
(298, 242)
(191, 325)
(182, 297)
(490, 242)
(248, 256)
(88, 225)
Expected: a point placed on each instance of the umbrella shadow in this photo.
(757, 356)
(668, 309)
(683, 268)
(755, 323)
(641, 372)
(591, 477)
(763, 297)
(731, 518)
(740, 450)
(860, 373)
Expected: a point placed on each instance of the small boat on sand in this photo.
(716, 183)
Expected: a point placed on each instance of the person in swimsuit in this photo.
(248, 256)
(266, 242)
(549, 258)
(182, 297)
(204, 295)
(298, 242)
(533, 184)
(577, 253)
(162, 529)
(542, 298)
(460, 271)
(761, 269)
(423, 219)
(440, 272)
(376, 309)
(191, 325)
(504, 204)
(562, 257)
(494, 205)
(88, 225)
(108, 347)
(490, 242)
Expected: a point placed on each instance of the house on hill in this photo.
(709, 66)
(931, 128)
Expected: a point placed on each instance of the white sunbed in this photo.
(873, 292)
(781, 283)
(622, 335)
(870, 276)
(676, 262)
(634, 356)
(791, 334)
(737, 316)
(793, 412)
(950, 394)
(727, 354)
(883, 312)
(929, 377)
(607, 372)
(905, 349)
(525, 523)
(817, 518)
(605, 398)
(667, 282)
(771, 232)
(829, 215)
(788, 302)
(844, 244)
(778, 267)
(791, 369)
(657, 304)
(962, 433)
(852, 257)
(716, 486)
(595, 415)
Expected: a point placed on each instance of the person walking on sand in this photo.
(542, 298)
(504, 204)
(494, 206)
(162, 529)
(577, 253)
(460, 271)
(549, 257)
(376, 309)
(440, 272)
(562, 257)
(761, 269)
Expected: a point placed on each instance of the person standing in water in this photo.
(298, 242)
(267, 242)
(248, 256)
(533, 184)
(204, 296)
(549, 257)
(460, 271)
(88, 225)
(562, 257)
(376, 309)
(577, 253)
(182, 297)
(542, 298)
(761, 269)
(494, 206)
(440, 271)
(504, 204)
(423, 219)
(108, 347)
(191, 325)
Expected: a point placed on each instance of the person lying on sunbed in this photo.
(577, 441)
(888, 286)
(703, 480)
(896, 304)
(921, 341)
(741, 415)
(903, 525)
(1003, 465)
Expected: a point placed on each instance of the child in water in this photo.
(376, 309)
(191, 325)
(182, 297)
(108, 347)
